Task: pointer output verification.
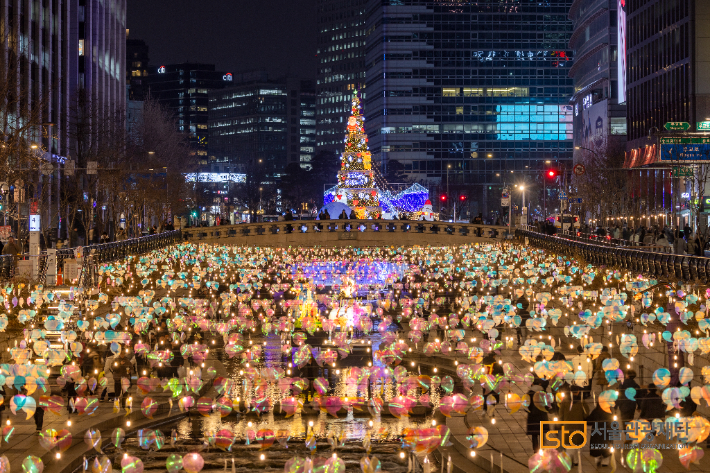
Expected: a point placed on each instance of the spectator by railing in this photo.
(654, 243)
(656, 264)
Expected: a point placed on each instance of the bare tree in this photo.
(692, 177)
(159, 156)
(608, 190)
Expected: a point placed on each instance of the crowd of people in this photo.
(672, 240)
(582, 404)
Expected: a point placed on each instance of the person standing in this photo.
(573, 408)
(108, 374)
(121, 369)
(679, 244)
(524, 313)
(598, 422)
(651, 404)
(581, 362)
(535, 416)
(599, 367)
(11, 247)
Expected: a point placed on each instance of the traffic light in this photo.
(551, 173)
(462, 198)
(443, 197)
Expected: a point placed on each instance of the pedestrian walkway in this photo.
(507, 441)
(24, 440)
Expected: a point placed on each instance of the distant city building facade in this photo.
(69, 45)
(666, 76)
(137, 63)
(184, 88)
(301, 108)
(261, 122)
(341, 67)
(469, 91)
(599, 111)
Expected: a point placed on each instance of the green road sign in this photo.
(680, 171)
(702, 126)
(685, 141)
(677, 126)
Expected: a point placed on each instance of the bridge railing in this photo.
(304, 227)
(95, 255)
(658, 265)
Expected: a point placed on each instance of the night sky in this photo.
(235, 35)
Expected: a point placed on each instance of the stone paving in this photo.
(507, 435)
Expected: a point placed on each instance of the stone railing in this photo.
(346, 233)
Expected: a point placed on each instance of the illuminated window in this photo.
(450, 92)
(459, 110)
(202, 127)
(508, 92)
(472, 92)
(618, 125)
(81, 47)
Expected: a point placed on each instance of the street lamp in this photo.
(260, 189)
(588, 149)
(448, 166)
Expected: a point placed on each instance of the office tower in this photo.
(666, 73)
(183, 88)
(258, 121)
(341, 68)
(301, 108)
(599, 108)
(68, 45)
(137, 59)
(472, 92)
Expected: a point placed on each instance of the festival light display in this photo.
(246, 311)
(358, 184)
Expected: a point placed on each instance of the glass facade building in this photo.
(183, 88)
(257, 120)
(248, 124)
(61, 47)
(667, 64)
(599, 111)
(341, 67)
(302, 122)
(473, 88)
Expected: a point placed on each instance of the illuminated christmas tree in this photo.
(356, 186)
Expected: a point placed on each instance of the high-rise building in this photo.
(599, 111)
(469, 91)
(666, 75)
(137, 60)
(184, 88)
(248, 125)
(67, 45)
(301, 108)
(257, 120)
(341, 67)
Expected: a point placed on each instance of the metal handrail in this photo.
(659, 265)
(95, 254)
